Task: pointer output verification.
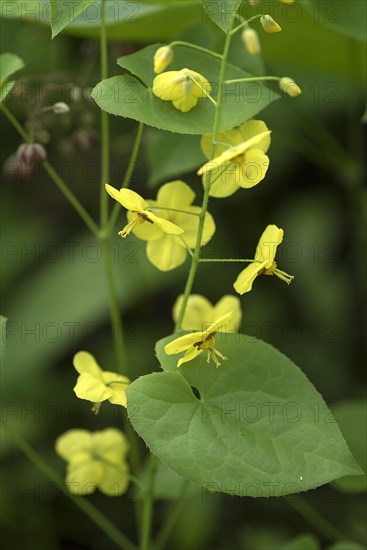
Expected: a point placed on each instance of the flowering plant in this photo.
(190, 411)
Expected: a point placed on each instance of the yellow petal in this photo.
(232, 153)
(225, 182)
(91, 388)
(229, 137)
(203, 84)
(166, 253)
(85, 362)
(268, 243)
(185, 103)
(111, 440)
(165, 87)
(190, 224)
(127, 198)
(82, 479)
(117, 385)
(175, 194)
(247, 276)
(199, 312)
(253, 128)
(220, 325)
(165, 225)
(115, 479)
(73, 442)
(191, 354)
(229, 304)
(183, 343)
(253, 169)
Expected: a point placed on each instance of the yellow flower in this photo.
(240, 159)
(168, 251)
(95, 460)
(200, 312)
(183, 88)
(139, 214)
(264, 263)
(162, 58)
(96, 385)
(197, 342)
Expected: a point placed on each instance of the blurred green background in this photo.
(53, 282)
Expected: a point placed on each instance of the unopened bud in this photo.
(269, 24)
(289, 87)
(162, 58)
(30, 153)
(251, 41)
(60, 108)
(14, 168)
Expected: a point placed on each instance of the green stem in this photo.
(225, 260)
(171, 520)
(204, 91)
(56, 178)
(105, 122)
(252, 79)
(69, 195)
(314, 518)
(19, 128)
(121, 540)
(204, 208)
(148, 505)
(154, 208)
(245, 23)
(128, 174)
(194, 47)
(117, 329)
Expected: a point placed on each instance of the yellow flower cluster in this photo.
(95, 460)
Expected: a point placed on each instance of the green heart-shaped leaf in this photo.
(221, 11)
(132, 98)
(252, 431)
(9, 64)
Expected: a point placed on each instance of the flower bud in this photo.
(16, 169)
(162, 58)
(251, 41)
(289, 87)
(269, 25)
(60, 108)
(30, 153)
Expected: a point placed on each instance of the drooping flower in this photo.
(183, 88)
(96, 385)
(162, 58)
(168, 251)
(240, 159)
(95, 460)
(197, 342)
(251, 41)
(139, 214)
(200, 312)
(269, 24)
(289, 87)
(264, 262)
